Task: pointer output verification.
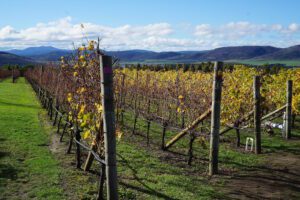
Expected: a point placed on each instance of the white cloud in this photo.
(159, 36)
(203, 30)
(63, 32)
(246, 33)
(294, 27)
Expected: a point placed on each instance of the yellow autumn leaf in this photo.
(86, 134)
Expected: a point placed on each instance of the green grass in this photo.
(27, 168)
(262, 62)
(144, 176)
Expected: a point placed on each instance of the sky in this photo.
(159, 25)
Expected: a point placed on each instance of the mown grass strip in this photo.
(27, 167)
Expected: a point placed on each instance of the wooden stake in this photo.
(257, 114)
(190, 153)
(78, 155)
(238, 135)
(63, 132)
(90, 157)
(165, 124)
(148, 130)
(289, 97)
(215, 118)
(58, 124)
(109, 126)
(190, 127)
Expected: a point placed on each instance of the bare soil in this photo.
(278, 178)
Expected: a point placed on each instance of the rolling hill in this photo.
(42, 53)
(236, 54)
(12, 59)
(291, 53)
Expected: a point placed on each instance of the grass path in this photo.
(27, 168)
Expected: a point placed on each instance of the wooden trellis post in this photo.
(215, 118)
(257, 114)
(289, 97)
(165, 124)
(109, 125)
(238, 135)
(78, 155)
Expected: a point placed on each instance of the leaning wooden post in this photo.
(109, 125)
(289, 97)
(215, 118)
(257, 113)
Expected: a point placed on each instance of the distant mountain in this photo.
(132, 55)
(47, 53)
(51, 56)
(31, 51)
(236, 53)
(291, 53)
(143, 55)
(8, 58)
(222, 54)
(42, 53)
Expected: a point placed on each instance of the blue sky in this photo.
(154, 24)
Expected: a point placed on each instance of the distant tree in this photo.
(192, 68)
(185, 67)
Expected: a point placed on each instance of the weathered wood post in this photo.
(238, 135)
(190, 152)
(101, 183)
(56, 112)
(12, 75)
(257, 113)
(51, 108)
(78, 154)
(134, 123)
(70, 142)
(109, 125)
(120, 105)
(165, 124)
(135, 102)
(289, 97)
(182, 120)
(215, 118)
(123, 100)
(148, 130)
(64, 131)
(58, 124)
(148, 117)
(90, 157)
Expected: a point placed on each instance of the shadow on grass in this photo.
(7, 171)
(19, 105)
(4, 154)
(145, 189)
(293, 150)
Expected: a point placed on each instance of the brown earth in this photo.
(278, 178)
